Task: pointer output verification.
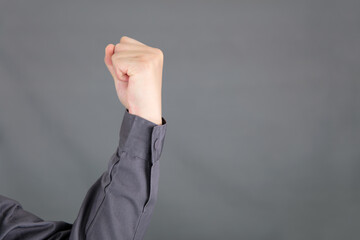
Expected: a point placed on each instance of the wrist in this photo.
(148, 115)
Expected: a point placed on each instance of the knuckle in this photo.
(149, 60)
(159, 52)
(120, 47)
(114, 59)
(143, 58)
(143, 63)
(124, 38)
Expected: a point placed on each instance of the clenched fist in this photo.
(137, 72)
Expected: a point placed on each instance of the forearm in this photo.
(117, 206)
(120, 203)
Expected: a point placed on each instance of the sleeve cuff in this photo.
(141, 137)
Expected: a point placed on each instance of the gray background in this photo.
(261, 98)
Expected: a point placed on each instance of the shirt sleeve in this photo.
(118, 205)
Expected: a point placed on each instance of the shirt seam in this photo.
(102, 201)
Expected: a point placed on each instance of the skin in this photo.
(137, 72)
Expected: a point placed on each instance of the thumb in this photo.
(120, 86)
(115, 72)
(109, 51)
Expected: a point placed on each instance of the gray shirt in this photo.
(117, 206)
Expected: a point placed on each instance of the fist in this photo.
(137, 72)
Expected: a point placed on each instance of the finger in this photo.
(109, 51)
(120, 67)
(125, 67)
(123, 47)
(131, 54)
(130, 40)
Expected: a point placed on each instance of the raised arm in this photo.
(119, 204)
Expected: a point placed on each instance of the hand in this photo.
(137, 72)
